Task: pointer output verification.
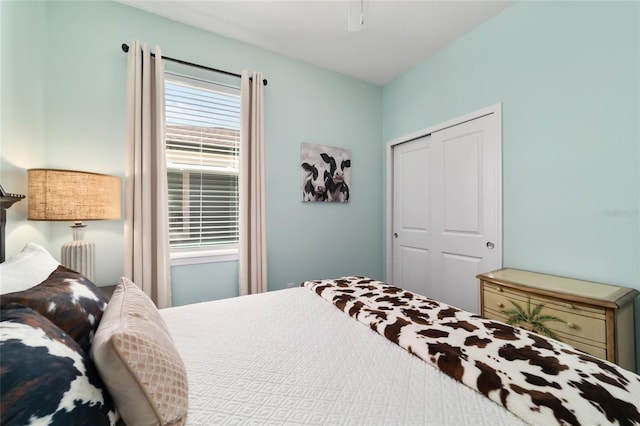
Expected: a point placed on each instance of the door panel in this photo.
(460, 291)
(452, 177)
(415, 269)
(464, 159)
(414, 187)
(461, 192)
(411, 216)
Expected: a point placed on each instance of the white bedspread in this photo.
(288, 357)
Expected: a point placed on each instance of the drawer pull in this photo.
(571, 325)
(500, 305)
(569, 305)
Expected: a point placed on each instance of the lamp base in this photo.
(78, 254)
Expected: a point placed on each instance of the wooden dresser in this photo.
(597, 318)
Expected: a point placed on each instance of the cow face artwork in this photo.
(315, 183)
(326, 173)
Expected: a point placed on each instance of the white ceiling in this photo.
(398, 34)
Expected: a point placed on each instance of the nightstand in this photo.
(596, 318)
(108, 290)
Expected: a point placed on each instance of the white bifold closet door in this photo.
(447, 211)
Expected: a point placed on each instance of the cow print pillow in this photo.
(69, 300)
(45, 377)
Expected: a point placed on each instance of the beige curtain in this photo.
(253, 247)
(146, 232)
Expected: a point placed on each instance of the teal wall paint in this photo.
(202, 284)
(22, 112)
(567, 74)
(84, 72)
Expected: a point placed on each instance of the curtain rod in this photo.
(125, 48)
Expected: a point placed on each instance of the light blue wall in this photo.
(83, 74)
(568, 77)
(22, 112)
(205, 282)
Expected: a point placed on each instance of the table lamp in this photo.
(69, 195)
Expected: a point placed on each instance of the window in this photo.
(202, 146)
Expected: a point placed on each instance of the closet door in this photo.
(466, 173)
(411, 219)
(447, 211)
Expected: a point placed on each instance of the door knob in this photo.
(490, 245)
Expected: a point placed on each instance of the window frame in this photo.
(208, 254)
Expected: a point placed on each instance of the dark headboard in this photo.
(6, 201)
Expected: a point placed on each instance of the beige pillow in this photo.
(138, 361)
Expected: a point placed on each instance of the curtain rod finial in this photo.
(125, 47)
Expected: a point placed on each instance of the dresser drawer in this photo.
(583, 322)
(594, 348)
(559, 304)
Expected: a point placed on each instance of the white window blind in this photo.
(202, 145)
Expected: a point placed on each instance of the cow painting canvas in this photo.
(326, 173)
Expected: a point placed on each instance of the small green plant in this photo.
(531, 320)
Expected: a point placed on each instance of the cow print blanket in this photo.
(540, 380)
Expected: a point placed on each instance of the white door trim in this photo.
(493, 109)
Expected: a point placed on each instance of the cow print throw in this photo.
(69, 300)
(540, 380)
(45, 377)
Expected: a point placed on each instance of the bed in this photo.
(343, 351)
